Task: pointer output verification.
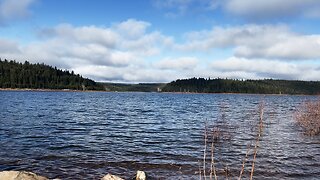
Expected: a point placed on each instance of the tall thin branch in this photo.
(212, 167)
(200, 170)
(205, 150)
(227, 176)
(244, 162)
(258, 139)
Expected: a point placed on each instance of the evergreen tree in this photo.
(267, 86)
(26, 75)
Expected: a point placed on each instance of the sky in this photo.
(146, 41)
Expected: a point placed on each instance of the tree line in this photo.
(40, 76)
(266, 86)
(141, 87)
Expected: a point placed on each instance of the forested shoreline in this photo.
(16, 75)
(266, 86)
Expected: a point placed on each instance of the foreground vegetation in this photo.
(220, 132)
(267, 86)
(40, 76)
(308, 117)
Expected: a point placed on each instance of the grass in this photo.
(308, 117)
(215, 135)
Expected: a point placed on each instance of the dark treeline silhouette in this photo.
(40, 76)
(266, 86)
(141, 87)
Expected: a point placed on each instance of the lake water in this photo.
(85, 135)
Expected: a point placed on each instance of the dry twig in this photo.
(205, 150)
(258, 139)
(244, 162)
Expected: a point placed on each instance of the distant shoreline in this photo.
(72, 90)
(242, 93)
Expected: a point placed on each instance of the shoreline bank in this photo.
(74, 90)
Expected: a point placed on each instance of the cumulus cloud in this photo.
(224, 37)
(132, 28)
(120, 51)
(129, 51)
(180, 63)
(14, 10)
(292, 47)
(85, 34)
(121, 44)
(271, 9)
(130, 74)
(255, 41)
(264, 68)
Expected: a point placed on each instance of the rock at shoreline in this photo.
(141, 175)
(111, 177)
(20, 175)
(24, 175)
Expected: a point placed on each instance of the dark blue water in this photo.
(77, 135)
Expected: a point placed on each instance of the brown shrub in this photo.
(308, 117)
(220, 132)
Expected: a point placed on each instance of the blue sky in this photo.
(162, 40)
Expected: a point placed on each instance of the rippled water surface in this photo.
(76, 135)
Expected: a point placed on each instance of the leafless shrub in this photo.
(308, 117)
(216, 134)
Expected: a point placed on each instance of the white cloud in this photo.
(270, 9)
(148, 44)
(292, 47)
(129, 74)
(264, 68)
(132, 28)
(120, 51)
(122, 44)
(85, 34)
(255, 41)
(14, 10)
(180, 63)
(130, 52)
(223, 37)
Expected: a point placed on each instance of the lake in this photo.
(85, 135)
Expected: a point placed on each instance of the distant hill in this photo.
(40, 76)
(141, 87)
(267, 86)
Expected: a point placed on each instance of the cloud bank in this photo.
(129, 51)
(256, 41)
